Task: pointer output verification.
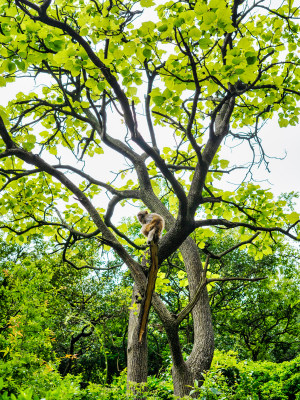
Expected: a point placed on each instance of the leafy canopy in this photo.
(200, 67)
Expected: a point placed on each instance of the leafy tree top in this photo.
(205, 69)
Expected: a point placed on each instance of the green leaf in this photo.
(30, 138)
(28, 146)
(158, 100)
(53, 150)
(204, 43)
(99, 150)
(178, 22)
(132, 91)
(90, 83)
(195, 33)
(214, 4)
(147, 3)
(123, 228)
(147, 53)
(11, 66)
(267, 250)
(224, 164)
(162, 28)
(209, 17)
(239, 71)
(129, 48)
(293, 217)
(251, 60)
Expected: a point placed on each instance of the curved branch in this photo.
(202, 283)
(219, 128)
(63, 26)
(123, 194)
(192, 115)
(5, 135)
(218, 256)
(230, 224)
(159, 161)
(151, 76)
(110, 209)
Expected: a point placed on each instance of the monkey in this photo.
(152, 225)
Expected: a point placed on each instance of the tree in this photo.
(207, 71)
(259, 321)
(57, 319)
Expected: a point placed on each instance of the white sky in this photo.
(277, 142)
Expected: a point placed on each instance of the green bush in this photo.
(49, 385)
(230, 379)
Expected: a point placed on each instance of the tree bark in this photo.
(137, 353)
(186, 372)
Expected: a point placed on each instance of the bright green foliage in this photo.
(256, 59)
(231, 379)
(44, 309)
(151, 97)
(259, 320)
(228, 379)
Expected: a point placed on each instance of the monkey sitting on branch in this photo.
(152, 225)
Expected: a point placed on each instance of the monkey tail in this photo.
(149, 290)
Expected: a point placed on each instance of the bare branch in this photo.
(123, 194)
(5, 135)
(229, 224)
(235, 278)
(202, 283)
(218, 256)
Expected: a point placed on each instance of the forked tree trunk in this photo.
(202, 352)
(182, 380)
(184, 373)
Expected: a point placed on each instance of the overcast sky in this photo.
(277, 142)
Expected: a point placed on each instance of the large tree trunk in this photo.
(182, 376)
(182, 380)
(186, 372)
(137, 353)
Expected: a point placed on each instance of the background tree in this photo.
(260, 320)
(66, 320)
(207, 71)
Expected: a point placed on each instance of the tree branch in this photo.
(63, 26)
(230, 224)
(218, 256)
(202, 283)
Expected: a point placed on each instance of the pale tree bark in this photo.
(137, 352)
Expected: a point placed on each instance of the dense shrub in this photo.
(228, 379)
(248, 380)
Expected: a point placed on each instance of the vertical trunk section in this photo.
(203, 349)
(182, 380)
(182, 377)
(137, 353)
